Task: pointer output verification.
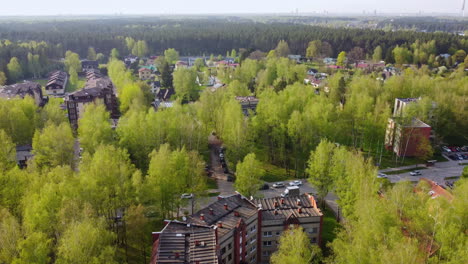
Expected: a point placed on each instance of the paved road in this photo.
(437, 173)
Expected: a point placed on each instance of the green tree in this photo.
(313, 49)
(185, 84)
(341, 60)
(199, 64)
(10, 232)
(73, 81)
(34, 249)
(15, 72)
(233, 53)
(166, 74)
(424, 150)
(459, 56)
(94, 127)
(91, 54)
(7, 153)
(53, 145)
(295, 247)
(86, 242)
(3, 78)
(137, 228)
(248, 175)
(377, 55)
(72, 60)
(171, 55)
(114, 55)
(402, 55)
(319, 168)
(282, 49)
(130, 42)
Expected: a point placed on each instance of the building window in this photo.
(229, 245)
(223, 261)
(229, 257)
(314, 240)
(253, 228)
(313, 230)
(267, 234)
(266, 253)
(267, 243)
(223, 251)
(278, 233)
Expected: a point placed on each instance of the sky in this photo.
(81, 7)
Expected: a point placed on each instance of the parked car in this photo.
(382, 175)
(295, 183)
(415, 173)
(278, 185)
(186, 196)
(444, 148)
(264, 186)
(230, 178)
(221, 155)
(225, 169)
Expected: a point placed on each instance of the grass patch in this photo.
(274, 173)
(211, 184)
(403, 171)
(390, 160)
(452, 178)
(329, 229)
(214, 194)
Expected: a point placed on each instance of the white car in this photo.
(186, 196)
(382, 175)
(415, 173)
(278, 185)
(295, 183)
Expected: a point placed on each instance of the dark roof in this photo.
(21, 90)
(185, 243)
(89, 64)
(406, 100)
(57, 77)
(245, 99)
(281, 208)
(165, 94)
(238, 207)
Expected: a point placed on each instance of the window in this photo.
(278, 233)
(252, 249)
(314, 240)
(267, 234)
(223, 261)
(229, 245)
(223, 251)
(253, 240)
(266, 253)
(267, 243)
(229, 257)
(312, 230)
(253, 228)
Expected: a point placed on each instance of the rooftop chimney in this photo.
(219, 198)
(298, 202)
(211, 211)
(282, 200)
(276, 204)
(202, 217)
(299, 210)
(276, 212)
(220, 224)
(236, 213)
(225, 206)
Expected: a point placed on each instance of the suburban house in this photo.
(404, 139)
(97, 88)
(163, 98)
(435, 190)
(87, 65)
(144, 73)
(248, 103)
(180, 242)
(57, 83)
(329, 61)
(155, 87)
(181, 65)
(21, 90)
(23, 154)
(130, 59)
(280, 213)
(246, 231)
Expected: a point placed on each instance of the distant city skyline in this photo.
(94, 7)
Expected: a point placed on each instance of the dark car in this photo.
(264, 186)
(230, 178)
(226, 170)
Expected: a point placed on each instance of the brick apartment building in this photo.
(246, 231)
(97, 88)
(404, 139)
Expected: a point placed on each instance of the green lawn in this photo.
(274, 173)
(211, 184)
(390, 160)
(329, 229)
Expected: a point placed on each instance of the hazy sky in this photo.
(52, 7)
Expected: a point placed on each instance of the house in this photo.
(163, 98)
(180, 242)
(329, 61)
(248, 103)
(247, 231)
(155, 87)
(23, 155)
(97, 88)
(236, 219)
(21, 90)
(312, 71)
(296, 58)
(87, 65)
(144, 73)
(57, 83)
(181, 65)
(404, 139)
(278, 214)
(130, 59)
(435, 190)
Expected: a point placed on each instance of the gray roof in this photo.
(20, 90)
(281, 208)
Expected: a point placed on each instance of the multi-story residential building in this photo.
(96, 88)
(236, 219)
(87, 65)
(404, 137)
(144, 73)
(278, 214)
(185, 243)
(248, 231)
(57, 83)
(21, 90)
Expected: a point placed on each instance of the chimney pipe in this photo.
(282, 200)
(299, 210)
(276, 204)
(298, 202)
(220, 224)
(202, 217)
(225, 206)
(276, 212)
(236, 213)
(219, 198)
(211, 211)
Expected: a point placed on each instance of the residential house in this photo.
(57, 83)
(144, 73)
(130, 59)
(21, 90)
(180, 242)
(279, 214)
(23, 155)
(248, 103)
(87, 65)
(97, 88)
(329, 61)
(181, 65)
